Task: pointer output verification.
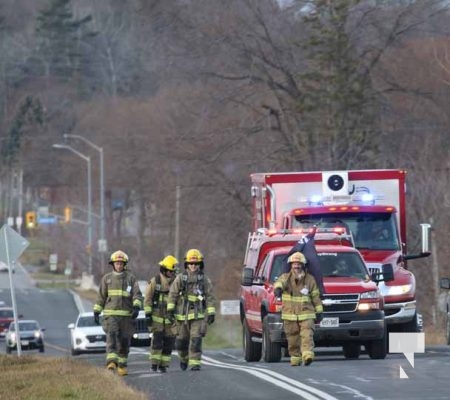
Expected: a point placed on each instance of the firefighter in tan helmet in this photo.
(301, 307)
(192, 304)
(155, 307)
(120, 299)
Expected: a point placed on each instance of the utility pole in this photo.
(102, 244)
(89, 190)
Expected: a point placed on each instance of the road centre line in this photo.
(301, 389)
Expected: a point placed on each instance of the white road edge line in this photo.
(275, 378)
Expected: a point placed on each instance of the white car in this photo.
(86, 336)
(4, 267)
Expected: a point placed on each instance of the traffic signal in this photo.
(30, 218)
(67, 214)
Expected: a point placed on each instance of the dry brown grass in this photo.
(37, 377)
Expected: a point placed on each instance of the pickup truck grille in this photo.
(336, 303)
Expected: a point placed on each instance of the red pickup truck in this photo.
(353, 306)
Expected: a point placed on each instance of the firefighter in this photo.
(120, 299)
(192, 304)
(155, 307)
(301, 307)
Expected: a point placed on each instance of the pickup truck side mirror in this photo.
(426, 244)
(386, 274)
(445, 283)
(247, 277)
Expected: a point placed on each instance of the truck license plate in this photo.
(24, 342)
(330, 323)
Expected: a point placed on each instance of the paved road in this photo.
(226, 375)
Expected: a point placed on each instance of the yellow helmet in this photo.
(169, 263)
(297, 257)
(193, 256)
(118, 255)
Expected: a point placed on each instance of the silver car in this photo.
(86, 336)
(31, 336)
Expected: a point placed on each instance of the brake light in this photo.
(275, 305)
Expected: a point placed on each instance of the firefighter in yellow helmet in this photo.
(301, 306)
(155, 307)
(192, 304)
(120, 299)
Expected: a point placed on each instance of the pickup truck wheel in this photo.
(252, 350)
(8, 350)
(351, 350)
(271, 351)
(377, 349)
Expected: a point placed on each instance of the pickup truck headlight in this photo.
(396, 290)
(373, 294)
(369, 301)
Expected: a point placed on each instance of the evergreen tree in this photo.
(339, 103)
(61, 38)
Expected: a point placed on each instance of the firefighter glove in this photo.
(135, 312)
(211, 319)
(97, 318)
(278, 293)
(149, 319)
(319, 318)
(171, 316)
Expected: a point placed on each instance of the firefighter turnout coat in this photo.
(301, 296)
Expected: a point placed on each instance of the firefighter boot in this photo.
(183, 365)
(111, 366)
(162, 369)
(154, 367)
(122, 371)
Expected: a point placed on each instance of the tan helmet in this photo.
(118, 255)
(297, 257)
(169, 263)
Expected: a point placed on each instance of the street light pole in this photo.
(103, 247)
(89, 186)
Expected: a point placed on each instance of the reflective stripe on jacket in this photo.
(157, 306)
(191, 296)
(301, 297)
(118, 294)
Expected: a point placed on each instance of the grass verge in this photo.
(38, 377)
(226, 332)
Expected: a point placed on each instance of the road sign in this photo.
(229, 307)
(102, 246)
(12, 245)
(47, 220)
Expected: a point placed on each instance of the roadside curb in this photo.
(81, 304)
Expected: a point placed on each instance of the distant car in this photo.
(141, 335)
(6, 317)
(31, 336)
(86, 336)
(4, 267)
